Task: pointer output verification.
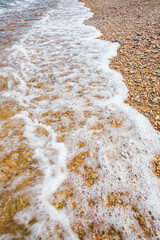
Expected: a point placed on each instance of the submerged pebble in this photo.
(77, 162)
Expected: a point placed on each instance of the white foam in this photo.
(61, 57)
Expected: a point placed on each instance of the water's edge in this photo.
(89, 154)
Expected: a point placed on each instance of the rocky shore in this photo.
(136, 26)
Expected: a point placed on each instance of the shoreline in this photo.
(136, 26)
(71, 166)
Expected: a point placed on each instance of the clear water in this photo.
(76, 160)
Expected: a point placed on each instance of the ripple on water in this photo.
(76, 161)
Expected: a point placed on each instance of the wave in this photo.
(90, 152)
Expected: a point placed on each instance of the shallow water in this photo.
(76, 161)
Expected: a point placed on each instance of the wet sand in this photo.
(136, 26)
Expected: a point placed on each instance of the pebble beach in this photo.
(78, 159)
(135, 25)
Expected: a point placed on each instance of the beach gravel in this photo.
(136, 26)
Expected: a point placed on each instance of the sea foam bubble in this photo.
(91, 151)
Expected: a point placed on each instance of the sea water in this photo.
(76, 160)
